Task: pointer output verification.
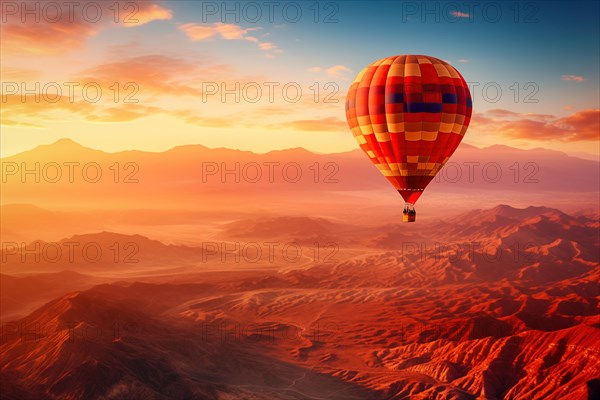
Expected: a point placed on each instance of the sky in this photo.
(260, 76)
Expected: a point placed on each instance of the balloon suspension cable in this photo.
(409, 208)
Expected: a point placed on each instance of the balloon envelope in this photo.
(409, 113)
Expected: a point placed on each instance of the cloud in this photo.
(131, 112)
(226, 31)
(501, 113)
(151, 80)
(334, 71)
(24, 109)
(10, 122)
(149, 13)
(156, 74)
(214, 122)
(11, 74)
(586, 123)
(28, 112)
(144, 78)
(575, 78)
(580, 126)
(459, 14)
(43, 38)
(123, 113)
(324, 124)
(267, 46)
(200, 32)
(65, 27)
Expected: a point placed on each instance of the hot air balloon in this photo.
(409, 113)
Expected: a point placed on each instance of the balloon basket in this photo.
(409, 214)
(409, 217)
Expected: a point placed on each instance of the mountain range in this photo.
(495, 303)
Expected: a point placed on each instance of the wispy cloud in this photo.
(267, 46)
(580, 126)
(575, 78)
(153, 74)
(200, 32)
(459, 14)
(323, 124)
(502, 113)
(149, 13)
(214, 122)
(225, 31)
(334, 71)
(123, 113)
(24, 108)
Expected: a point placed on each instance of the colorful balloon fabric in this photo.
(409, 113)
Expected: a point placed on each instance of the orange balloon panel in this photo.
(409, 113)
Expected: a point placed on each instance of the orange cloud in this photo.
(22, 109)
(199, 32)
(149, 13)
(586, 123)
(134, 79)
(334, 71)
(10, 122)
(324, 124)
(498, 112)
(267, 46)
(153, 76)
(44, 38)
(226, 31)
(10, 74)
(575, 78)
(511, 114)
(151, 73)
(126, 112)
(59, 27)
(459, 14)
(214, 122)
(580, 126)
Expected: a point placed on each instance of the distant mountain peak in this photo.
(61, 147)
(66, 142)
(506, 210)
(500, 147)
(294, 149)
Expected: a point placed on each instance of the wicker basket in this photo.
(409, 217)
